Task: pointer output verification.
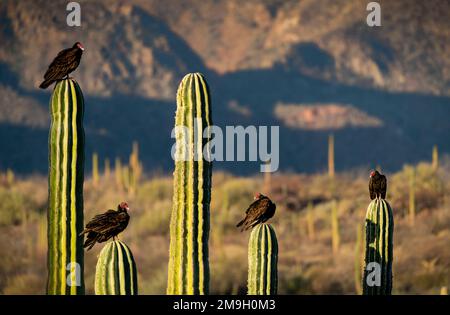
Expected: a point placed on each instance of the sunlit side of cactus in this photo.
(262, 261)
(189, 227)
(116, 273)
(66, 176)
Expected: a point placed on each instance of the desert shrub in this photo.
(12, 207)
(154, 220)
(28, 283)
(155, 190)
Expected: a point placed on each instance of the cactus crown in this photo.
(262, 261)
(116, 273)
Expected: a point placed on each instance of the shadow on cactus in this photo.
(377, 278)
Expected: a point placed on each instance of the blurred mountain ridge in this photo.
(256, 54)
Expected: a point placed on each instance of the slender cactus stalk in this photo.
(335, 239)
(310, 221)
(189, 227)
(66, 176)
(331, 155)
(267, 182)
(95, 169)
(412, 195)
(118, 172)
(10, 177)
(435, 162)
(107, 173)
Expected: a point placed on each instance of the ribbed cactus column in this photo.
(262, 261)
(66, 176)
(189, 227)
(379, 249)
(116, 273)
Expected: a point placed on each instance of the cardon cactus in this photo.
(379, 249)
(66, 176)
(262, 261)
(189, 227)
(116, 273)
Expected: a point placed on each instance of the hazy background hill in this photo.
(312, 67)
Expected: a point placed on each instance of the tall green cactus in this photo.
(189, 226)
(379, 249)
(66, 176)
(115, 273)
(262, 261)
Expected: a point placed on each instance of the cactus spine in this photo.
(66, 176)
(115, 273)
(189, 227)
(379, 249)
(262, 261)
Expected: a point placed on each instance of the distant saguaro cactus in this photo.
(377, 278)
(331, 155)
(189, 225)
(95, 169)
(435, 161)
(118, 172)
(335, 235)
(262, 261)
(310, 221)
(107, 171)
(66, 176)
(412, 195)
(135, 167)
(116, 273)
(10, 177)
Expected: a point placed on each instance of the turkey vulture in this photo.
(64, 63)
(104, 226)
(261, 210)
(377, 185)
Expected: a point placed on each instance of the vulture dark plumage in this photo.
(377, 185)
(64, 63)
(104, 226)
(261, 210)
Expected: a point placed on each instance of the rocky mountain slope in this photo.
(389, 85)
